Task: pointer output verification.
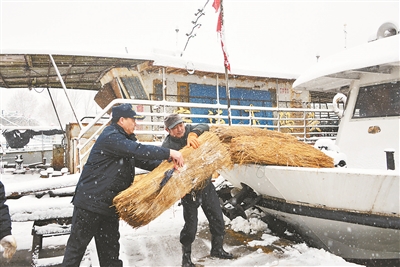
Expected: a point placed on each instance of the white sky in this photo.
(267, 35)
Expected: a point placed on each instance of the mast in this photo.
(218, 5)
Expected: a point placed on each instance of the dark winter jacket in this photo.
(179, 143)
(5, 220)
(110, 169)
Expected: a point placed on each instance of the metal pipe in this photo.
(228, 96)
(65, 89)
(58, 117)
(217, 87)
(164, 90)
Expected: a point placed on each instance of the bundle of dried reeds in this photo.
(145, 199)
(250, 145)
(274, 151)
(226, 133)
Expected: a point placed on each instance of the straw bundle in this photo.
(145, 199)
(272, 151)
(226, 133)
(248, 145)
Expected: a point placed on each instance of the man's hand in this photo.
(10, 246)
(176, 157)
(192, 140)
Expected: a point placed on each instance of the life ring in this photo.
(339, 97)
(190, 68)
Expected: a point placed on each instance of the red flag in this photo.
(219, 23)
(220, 30)
(216, 5)
(226, 61)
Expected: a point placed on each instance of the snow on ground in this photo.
(157, 244)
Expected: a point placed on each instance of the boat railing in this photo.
(307, 124)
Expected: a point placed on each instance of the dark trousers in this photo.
(210, 204)
(85, 226)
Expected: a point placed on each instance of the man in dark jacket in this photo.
(180, 136)
(7, 241)
(109, 170)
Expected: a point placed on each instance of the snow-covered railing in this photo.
(306, 124)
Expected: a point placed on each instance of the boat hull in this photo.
(347, 240)
(351, 213)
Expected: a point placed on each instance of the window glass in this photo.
(157, 90)
(183, 92)
(382, 100)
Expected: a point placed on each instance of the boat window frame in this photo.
(388, 104)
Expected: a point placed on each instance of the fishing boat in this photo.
(351, 210)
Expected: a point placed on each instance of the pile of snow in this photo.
(329, 147)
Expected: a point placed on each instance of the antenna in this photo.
(191, 34)
(177, 37)
(345, 35)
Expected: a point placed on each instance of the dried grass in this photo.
(250, 145)
(226, 133)
(145, 200)
(272, 151)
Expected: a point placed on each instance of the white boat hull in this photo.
(347, 240)
(352, 213)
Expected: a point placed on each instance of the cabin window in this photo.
(157, 90)
(134, 87)
(183, 92)
(382, 100)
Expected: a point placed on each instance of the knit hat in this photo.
(172, 120)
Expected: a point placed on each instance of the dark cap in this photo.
(125, 111)
(172, 120)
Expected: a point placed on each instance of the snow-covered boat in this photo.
(351, 211)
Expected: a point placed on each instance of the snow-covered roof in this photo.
(183, 63)
(380, 56)
(83, 70)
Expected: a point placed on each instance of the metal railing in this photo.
(307, 124)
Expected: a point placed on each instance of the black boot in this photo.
(217, 250)
(186, 260)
